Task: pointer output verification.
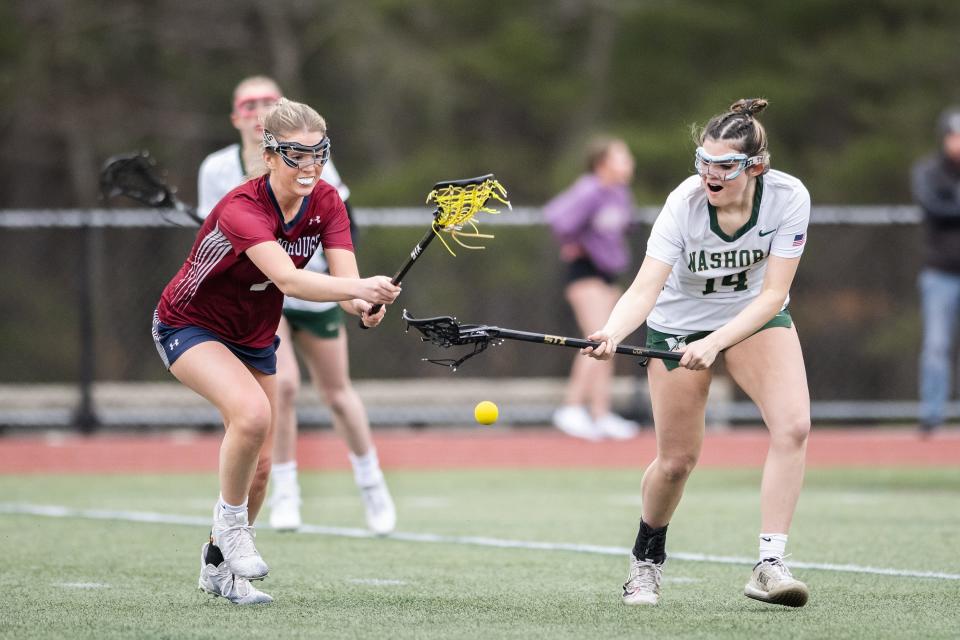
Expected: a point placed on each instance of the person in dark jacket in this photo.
(935, 184)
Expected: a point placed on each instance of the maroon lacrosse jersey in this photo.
(220, 289)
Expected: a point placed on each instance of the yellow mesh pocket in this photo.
(457, 204)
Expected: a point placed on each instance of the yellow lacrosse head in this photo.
(458, 201)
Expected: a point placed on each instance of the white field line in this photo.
(55, 511)
(82, 585)
(378, 582)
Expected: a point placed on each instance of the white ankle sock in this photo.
(223, 507)
(366, 468)
(284, 473)
(773, 545)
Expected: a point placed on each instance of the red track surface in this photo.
(480, 447)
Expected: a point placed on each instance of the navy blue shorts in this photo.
(173, 342)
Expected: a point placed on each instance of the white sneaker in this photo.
(643, 583)
(234, 537)
(613, 426)
(575, 420)
(772, 582)
(285, 508)
(378, 506)
(219, 581)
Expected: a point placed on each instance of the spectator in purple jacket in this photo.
(590, 220)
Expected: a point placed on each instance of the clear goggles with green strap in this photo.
(725, 167)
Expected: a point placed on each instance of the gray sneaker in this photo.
(772, 582)
(234, 537)
(219, 581)
(643, 583)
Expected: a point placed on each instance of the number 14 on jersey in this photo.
(737, 280)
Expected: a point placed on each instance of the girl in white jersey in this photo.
(716, 278)
(315, 327)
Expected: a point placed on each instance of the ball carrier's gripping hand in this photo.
(378, 290)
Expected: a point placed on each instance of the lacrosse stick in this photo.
(134, 175)
(445, 331)
(457, 202)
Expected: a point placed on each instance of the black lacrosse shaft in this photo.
(526, 336)
(416, 253)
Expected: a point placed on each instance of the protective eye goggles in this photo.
(250, 104)
(725, 167)
(296, 155)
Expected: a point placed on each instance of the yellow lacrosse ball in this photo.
(486, 412)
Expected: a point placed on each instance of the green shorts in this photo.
(323, 324)
(669, 341)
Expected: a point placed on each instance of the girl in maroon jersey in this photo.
(215, 326)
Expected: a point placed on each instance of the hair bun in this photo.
(749, 106)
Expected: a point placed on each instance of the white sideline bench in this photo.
(440, 400)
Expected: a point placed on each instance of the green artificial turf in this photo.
(80, 577)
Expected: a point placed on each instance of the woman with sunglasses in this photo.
(215, 326)
(314, 328)
(716, 279)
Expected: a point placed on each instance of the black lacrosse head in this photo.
(133, 175)
(442, 331)
(464, 182)
(445, 331)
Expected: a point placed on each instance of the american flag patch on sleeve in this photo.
(799, 239)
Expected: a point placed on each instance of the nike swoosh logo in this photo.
(766, 233)
(765, 539)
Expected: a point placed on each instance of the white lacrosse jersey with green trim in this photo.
(716, 275)
(223, 170)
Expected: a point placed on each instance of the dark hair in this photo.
(597, 149)
(739, 128)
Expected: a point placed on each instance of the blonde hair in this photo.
(290, 117)
(256, 80)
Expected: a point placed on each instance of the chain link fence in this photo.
(79, 288)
